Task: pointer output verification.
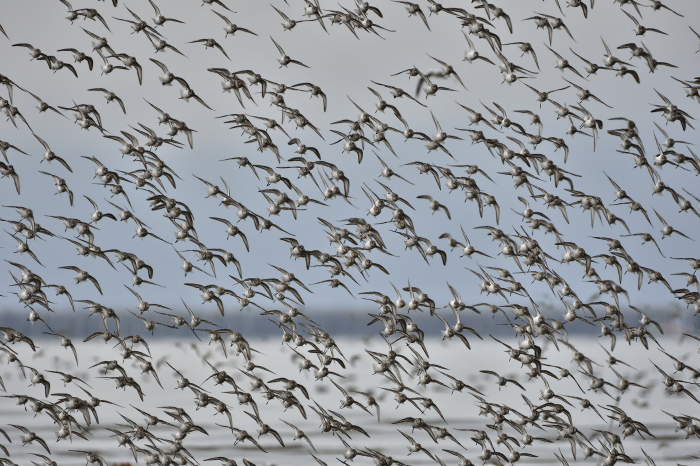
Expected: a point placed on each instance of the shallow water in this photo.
(459, 409)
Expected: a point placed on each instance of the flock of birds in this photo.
(280, 142)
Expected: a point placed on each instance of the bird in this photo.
(562, 63)
(9, 171)
(668, 230)
(448, 70)
(639, 29)
(29, 437)
(160, 20)
(435, 205)
(110, 96)
(431, 89)
(232, 28)
(414, 9)
(187, 93)
(502, 381)
(61, 186)
(82, 276)
(210, 43)
(284, 59)
(299, 434)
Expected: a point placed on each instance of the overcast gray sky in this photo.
(342, 66)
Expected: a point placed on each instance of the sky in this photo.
(343, 67)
